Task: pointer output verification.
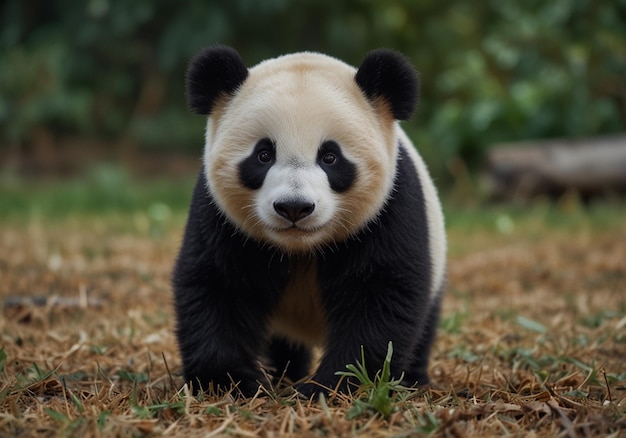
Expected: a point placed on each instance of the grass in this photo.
(532, 339)
(378, 395)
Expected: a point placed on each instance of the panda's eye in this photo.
(264, 156)
(329, 158)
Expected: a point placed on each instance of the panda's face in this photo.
(298, 157)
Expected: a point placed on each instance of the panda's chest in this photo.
(299, 315)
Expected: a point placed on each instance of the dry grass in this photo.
(532, 342)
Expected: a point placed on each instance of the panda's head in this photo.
(301, 150)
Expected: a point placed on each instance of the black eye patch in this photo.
(252, 169)
(340, 171)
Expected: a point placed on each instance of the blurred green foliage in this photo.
(492, 70)
(110, 197)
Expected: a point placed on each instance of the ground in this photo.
(532, 340)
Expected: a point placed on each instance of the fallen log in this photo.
(590, 166)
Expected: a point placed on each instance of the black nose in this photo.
(294, 210)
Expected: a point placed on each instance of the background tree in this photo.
(491, 71)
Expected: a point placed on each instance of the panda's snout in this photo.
(294, 210)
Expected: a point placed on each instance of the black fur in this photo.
(388, 74)
(213, 72)
(291, 358)
(225, 286)
(341, 173)
(252, 169)
(374, 289)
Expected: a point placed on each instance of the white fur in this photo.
(290, 180)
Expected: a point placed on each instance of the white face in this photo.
(298, 157)
(295, 201)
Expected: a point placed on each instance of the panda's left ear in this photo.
(389, 75)
(215, 71)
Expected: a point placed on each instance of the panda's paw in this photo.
(329, 387)
(310, 389)
(242, 382)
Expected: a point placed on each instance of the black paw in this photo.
(310, 389)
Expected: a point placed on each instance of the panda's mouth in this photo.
(297, 237)
(295, 229)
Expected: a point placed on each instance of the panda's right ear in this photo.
(213, 72)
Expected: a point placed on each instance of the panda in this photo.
(313, 223)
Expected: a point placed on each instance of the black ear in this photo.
(212, 72)
(389, 74)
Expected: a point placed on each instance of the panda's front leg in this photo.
(220, 340)
(367, 313)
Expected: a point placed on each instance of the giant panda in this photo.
(314, 222)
